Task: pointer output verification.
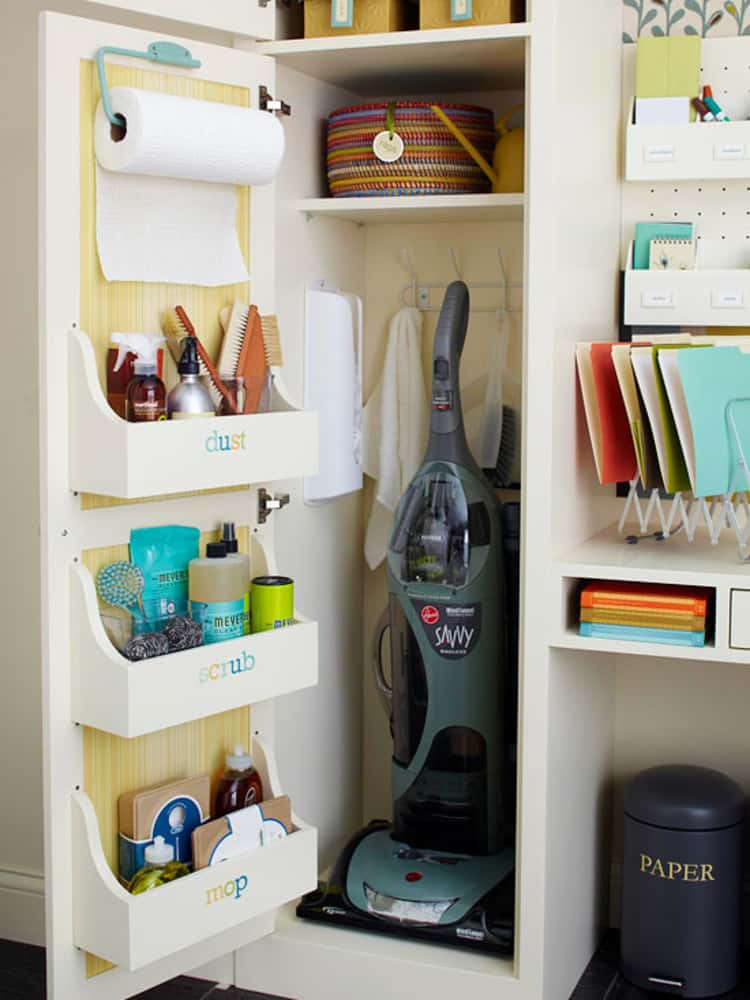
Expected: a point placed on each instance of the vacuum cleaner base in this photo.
(383, 886)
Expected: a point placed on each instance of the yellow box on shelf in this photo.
(368, 17)
(437, 13)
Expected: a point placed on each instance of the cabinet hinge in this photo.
(267, 102)
(268, 503)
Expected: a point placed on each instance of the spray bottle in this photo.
(146, 399)
(121, 364)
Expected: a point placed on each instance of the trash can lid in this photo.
(682, 797)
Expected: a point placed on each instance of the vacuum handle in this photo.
(385, 691)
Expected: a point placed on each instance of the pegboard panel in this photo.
(720, 209)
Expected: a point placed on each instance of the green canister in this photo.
(271, 602)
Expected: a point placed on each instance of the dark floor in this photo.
(22, 978)
(602, 981)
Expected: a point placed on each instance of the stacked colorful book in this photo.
(645, 612)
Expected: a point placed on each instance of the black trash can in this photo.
(682, 881)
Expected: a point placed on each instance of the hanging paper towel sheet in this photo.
(167, 190)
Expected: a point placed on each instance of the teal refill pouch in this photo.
(162, 554)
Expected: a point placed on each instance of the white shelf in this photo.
(418, 208)
(129, 699)
(119, 459)
(438, 61)
(301, 951)
(608, 556)
(570, 639)
(132, 931)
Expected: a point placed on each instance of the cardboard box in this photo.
(241, 832)
(369, 17)
(171, 809)
(437, 13)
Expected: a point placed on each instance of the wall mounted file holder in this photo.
(715, 293)
(115, 695)
(132, 931)
(166, 53)
(690, 151)
(112, 457)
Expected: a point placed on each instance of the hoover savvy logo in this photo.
(452, 629)
(229, 668)
(216, 442)
(232, 889)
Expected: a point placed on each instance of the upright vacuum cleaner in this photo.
(443, 871)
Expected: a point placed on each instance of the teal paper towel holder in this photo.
(166, 53)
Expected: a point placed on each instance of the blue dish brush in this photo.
(121, 584)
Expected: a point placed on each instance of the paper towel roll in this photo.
(185, 139)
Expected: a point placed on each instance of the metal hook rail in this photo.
(409, 293)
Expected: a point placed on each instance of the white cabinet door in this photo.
(87, 902)
(252, 18)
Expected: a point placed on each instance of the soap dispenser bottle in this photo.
(190, 397)
(159, 869)
(240, 785)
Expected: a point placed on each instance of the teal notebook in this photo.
(633, 633)
(647, 231)
(711, 377)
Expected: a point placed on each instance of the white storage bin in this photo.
(693, 151)
(132, 931)
(119, 459)
(713, 294)
(129, 699)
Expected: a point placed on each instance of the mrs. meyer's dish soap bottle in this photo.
(219, 592)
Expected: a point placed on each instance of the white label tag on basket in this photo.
(388, 146)
(342, 13)
(461, 10)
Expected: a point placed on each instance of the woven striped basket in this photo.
(433, 161)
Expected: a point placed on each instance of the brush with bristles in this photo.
(176, 326)
(272, 341)
(234, 320)
(271, 334)
(243, 351)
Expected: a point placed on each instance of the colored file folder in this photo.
(606, 416)
(640, 429)
(711, 378)
(668, 449)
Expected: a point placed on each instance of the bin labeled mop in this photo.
(682, 881)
